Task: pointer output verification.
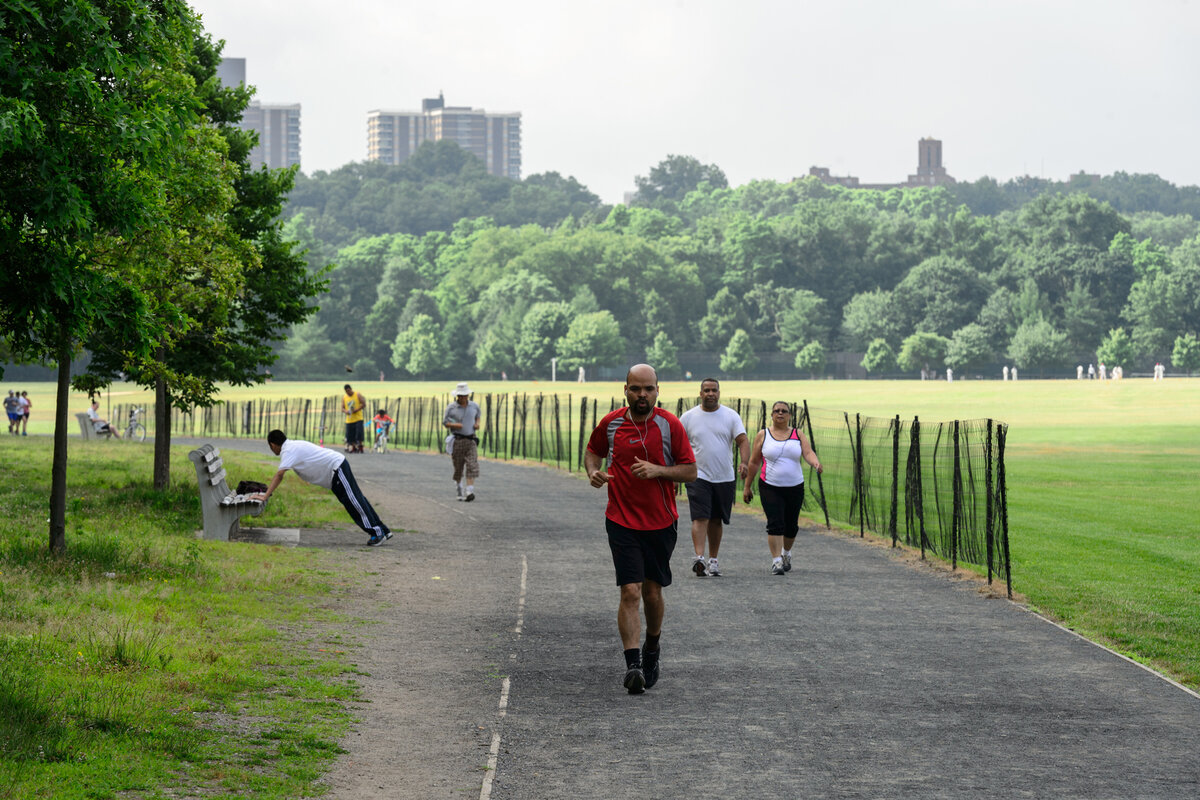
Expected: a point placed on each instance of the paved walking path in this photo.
(491, 641)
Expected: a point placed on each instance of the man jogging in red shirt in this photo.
(648, 452)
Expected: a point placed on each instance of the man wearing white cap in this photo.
(462, 420)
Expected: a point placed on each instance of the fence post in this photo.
(920, 488)
(989, 528)
(895, 473)
(956, 488)
(487, 437)
(812, 442)
(583, 431)
(540, 427)
(858, 476)
(1002, 435)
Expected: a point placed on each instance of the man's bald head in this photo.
(641, 373)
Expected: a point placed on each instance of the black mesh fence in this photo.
(939, 487)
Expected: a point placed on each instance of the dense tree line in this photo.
(907, 277)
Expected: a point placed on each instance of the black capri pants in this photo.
(782, 507)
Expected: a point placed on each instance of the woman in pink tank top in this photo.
(778, 456)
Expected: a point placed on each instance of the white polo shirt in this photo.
(712, 434)
(314, 464)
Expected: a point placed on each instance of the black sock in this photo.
(651, 643)
(633, 658)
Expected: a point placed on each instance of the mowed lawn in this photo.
(1103, 482)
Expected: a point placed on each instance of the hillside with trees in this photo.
(442, 271)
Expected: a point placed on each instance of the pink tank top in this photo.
(782, 459)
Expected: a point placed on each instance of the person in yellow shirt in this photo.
(353, 404)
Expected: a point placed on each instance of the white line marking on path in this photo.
(485, 791)
(521, 599)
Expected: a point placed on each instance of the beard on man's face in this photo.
(641, 405)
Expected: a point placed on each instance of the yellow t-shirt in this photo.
(353, 404)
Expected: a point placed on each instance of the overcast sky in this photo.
(762, 89)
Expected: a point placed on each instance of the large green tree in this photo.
(739, 354)
(593, 340)
(922, 351)
(1038, 344)
(95, 99)
(228, 284)
(675, 176)
(542, 327)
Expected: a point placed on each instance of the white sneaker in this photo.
(713, 568)
(777, 568)
(787, 562)
(698, 566)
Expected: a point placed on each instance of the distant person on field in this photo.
(949, 375)
(353, 404)
(12, 407)
(778, 457)
(1091, 372)
(462, 419)
(1079, 372)
(1014, 373)
(647, 452)
(99, 423)
(26, 407)
(1006, 372)
(1103, 372)
(713, 429)
(328, 469)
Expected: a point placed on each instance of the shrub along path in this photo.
(857, 675)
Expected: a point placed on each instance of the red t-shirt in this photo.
(643, 505)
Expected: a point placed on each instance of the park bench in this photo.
(221, 507)
(87, 430)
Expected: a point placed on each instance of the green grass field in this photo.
(144, 658)
(1103, 478)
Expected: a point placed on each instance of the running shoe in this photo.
(777, 568)
(787, 562)
(713, 568)
(635, 681)
(650, 666)
(378, 539)
(698, 567)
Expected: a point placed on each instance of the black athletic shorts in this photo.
(710, 500)
(641, 555)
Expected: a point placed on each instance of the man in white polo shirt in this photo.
(329, 469)
(712, 429)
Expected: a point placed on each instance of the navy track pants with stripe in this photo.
(345, 488)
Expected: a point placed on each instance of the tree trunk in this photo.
(162, 435)
(58, 470)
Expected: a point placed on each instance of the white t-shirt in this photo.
(94, 416)
(312, 463)
(711, 434)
